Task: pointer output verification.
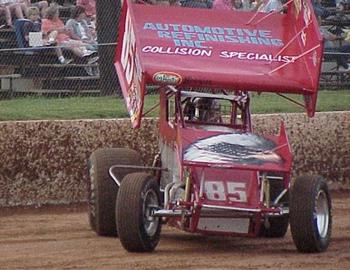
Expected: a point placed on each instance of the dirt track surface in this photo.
(60, 238)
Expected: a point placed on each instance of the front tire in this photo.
(138, 230)
(310, 214)
(103, 189)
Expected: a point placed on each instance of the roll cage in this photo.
(234, 115)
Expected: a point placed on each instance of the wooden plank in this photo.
(10, 76)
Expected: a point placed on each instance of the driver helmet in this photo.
(207, 110)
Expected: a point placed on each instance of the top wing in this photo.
(264, 52)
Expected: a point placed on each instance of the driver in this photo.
(207, 110)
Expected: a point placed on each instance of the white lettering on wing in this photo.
(251, 56)
(177, 51)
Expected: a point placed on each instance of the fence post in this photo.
(107, 13)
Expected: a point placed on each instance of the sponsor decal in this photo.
(257, 56)
(128, 50)
(195, 36)
(306, 20)
(165, 77)
(177, 51)
(132, 70)
(307, 13)
(314, 58)
(297, 6)
(249, 56)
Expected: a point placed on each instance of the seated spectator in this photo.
(342, 4)
(4, 10)
(34, 25)
(90, 7)
(330, 46)
(79, 26)
(247, 5)
(14, 8)
(232, 5)
(242, 5)
(54, 29)
(41, 5)
(319, 9)
(90, 10)
(223, 4)
(268, 6)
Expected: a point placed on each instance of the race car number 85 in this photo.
(235, 191)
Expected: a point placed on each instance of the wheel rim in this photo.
(322, 213)
(150, 202)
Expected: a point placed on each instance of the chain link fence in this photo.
(27, 70)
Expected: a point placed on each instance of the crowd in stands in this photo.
(19, 9)
(77, 35)
(336, 43)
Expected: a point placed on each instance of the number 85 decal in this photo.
(234, 191)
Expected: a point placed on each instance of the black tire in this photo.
(310, 214)
(103, 189)
(138, 232)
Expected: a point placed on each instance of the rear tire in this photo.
(103, 189)
(310, 214)
(138, 231)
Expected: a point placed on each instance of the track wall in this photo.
(46, 161)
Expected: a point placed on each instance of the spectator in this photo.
(90, 7)
(268, 6)
(13, 8)
(342, 5)
(5, 10)
(79, 26)
(319, 9)
(54, 29)
(34, 25)
(90, 10)
(41, 5)
(247, 5)
(244, 5)
(223, 4)
(330, 46)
